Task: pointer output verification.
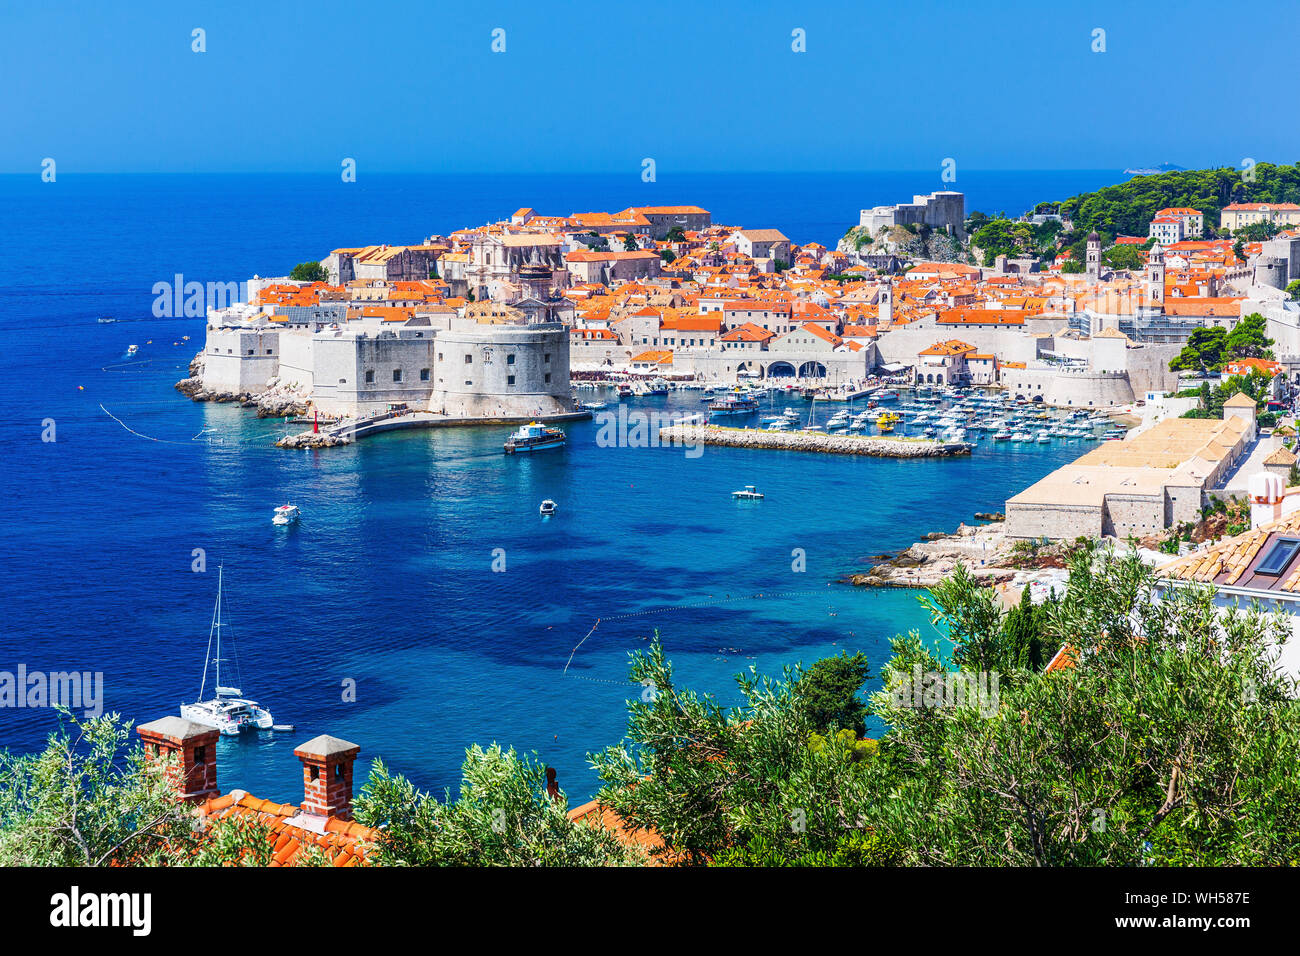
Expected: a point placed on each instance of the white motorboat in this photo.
(285, 514)
(548, 508)
(748, 493)
(132, 349)
(228, 711)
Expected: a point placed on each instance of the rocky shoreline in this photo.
(275, 402)
(810, 441)
(983, 549)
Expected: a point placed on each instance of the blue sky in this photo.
(413, 85)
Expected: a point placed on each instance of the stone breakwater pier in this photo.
(878, 446)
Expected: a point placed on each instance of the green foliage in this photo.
(1204, 351)
(675, 234)
(309, 272)
(629, 243)
(1023, 633)
(502, 817)
(1124, 257)
(1247, 338)
(829, 693)
(858, 849)
(708, 779)
(1173, 730)
(1127, 208)
(1013, 238)
(1255, 385)
(90, 799)
(1073, 266)
(1293, 289)
(972, 618)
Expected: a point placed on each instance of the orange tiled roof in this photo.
(291, 830)
(1229, 561)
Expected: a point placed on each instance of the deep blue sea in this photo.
(388, 579)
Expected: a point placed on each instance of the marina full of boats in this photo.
(944, 414)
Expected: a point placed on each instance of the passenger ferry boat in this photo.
(534, 437)
(285, 514)
(734, 405)
(228, 711)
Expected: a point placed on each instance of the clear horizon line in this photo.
(36, 172)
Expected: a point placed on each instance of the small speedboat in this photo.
(748, 493)
(548, 507)
(285, 514)
(132, 349)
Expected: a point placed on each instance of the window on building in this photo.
(510, 380)
(548, 378)
(370, 376)
(424, 375)
(469, 359)
(397, 375)
(510, 360)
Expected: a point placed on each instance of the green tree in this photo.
(1022, 631)
(1247, 339)
(1204, 351)
(503, 816)
(1123, 257)
(709, 778)
(91, 798)
(629, 243)
(309, 272)
(829, 693)
(1164, 744)
(675, 234)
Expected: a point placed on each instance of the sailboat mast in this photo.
(220, 572)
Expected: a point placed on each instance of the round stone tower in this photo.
(502, 371)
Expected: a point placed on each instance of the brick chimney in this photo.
(327, 776)
(195, 747)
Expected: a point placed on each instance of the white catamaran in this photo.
(227, 711)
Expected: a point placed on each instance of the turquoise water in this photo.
(388, 579)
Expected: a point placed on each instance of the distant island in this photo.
(1153, 170)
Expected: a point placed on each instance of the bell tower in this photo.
(1156, 277)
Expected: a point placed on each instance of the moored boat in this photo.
(734, 405)
(534, 437)
(228, 710)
